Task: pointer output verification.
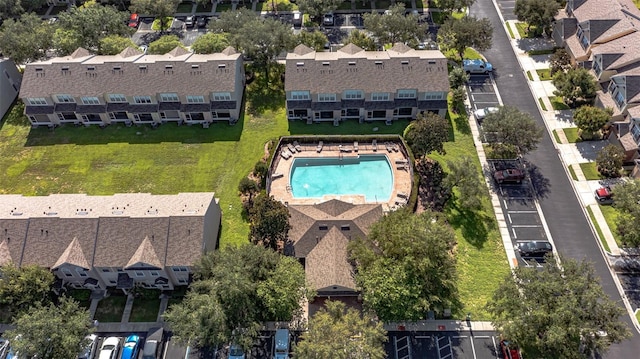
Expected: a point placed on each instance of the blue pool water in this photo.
(369, 175)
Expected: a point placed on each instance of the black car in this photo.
(202, 21)
(534, 249)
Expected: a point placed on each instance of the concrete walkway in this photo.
(572, 154)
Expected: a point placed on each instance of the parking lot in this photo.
(443, 345)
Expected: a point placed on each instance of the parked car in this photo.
(131, 347)
(481, 113)
(190, 21)
(89, 351)
(202, 22)
(604, 195)
(509, 175)
(134, 20)
(235, 352)
(153, 345)
(477, 66)
(509, 350)
(281, 344)
(534, 249)
(109, 348)
(4, 347)
(328, 19)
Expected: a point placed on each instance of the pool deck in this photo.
(281, 190)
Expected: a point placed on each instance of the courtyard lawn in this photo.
(167, 24)
(145, 309)
(482, 262)
(110, 309)
(572, 134)
(558, 103)
(544, 74)
(610, 214)
(590, 171)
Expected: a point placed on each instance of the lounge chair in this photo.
(355, 146)
(388, 146)
(374, 145)
(291, 148)
(395, 147)
(401, 202)
(403, 195)
(319, 148)
(402, 161)
(285, 154)
(344, 148)
(297, 146)
(278, 175)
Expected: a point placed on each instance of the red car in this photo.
(604, 195)
(509, 350)
(513, 175)
(134, 20)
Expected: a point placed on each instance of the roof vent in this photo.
(117, 68)
(405, 62)
(168, 67)
(16, 213)
(91, 68)
(222, 66)
(152, 211)
(299, 64)
(431, 62)
(39, 69)
(65, 68)
(195, 66)
(117, 213)
(378, 62)
(352, 63)
(326, 64)
(142, 67)
(52, 213)
(82, 212)
(191, 211)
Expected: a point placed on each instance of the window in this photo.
(584, 41)
(65, 98)
(300, 95)
(142, 99)
(406, 93)
(154, 273)
(169, 97)
(37, 101)
(195, 99)
(635, 130)
(106, 270)
(183, 281)
(112, 282)
(619, 100)
(90, 100)
(139, 274)
(326, 97)
(67, 272)
(353, 95)
(81, 272)
(380, 96)
(596, 66)
(117, 98)
(222, 96)
(433, 96)
(179, 269)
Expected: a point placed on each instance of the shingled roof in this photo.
(327, 265)
(145, 256)
(73, 255)
(5, 254)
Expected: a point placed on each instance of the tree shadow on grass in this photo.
(263, 95)
(474, 225)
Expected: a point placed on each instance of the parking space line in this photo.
(516, 212)
(509, 216)
(473, 349)
(513, 230)
(495, 347)
(526, 225)
(482, 336)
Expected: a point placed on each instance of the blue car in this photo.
(131, 347)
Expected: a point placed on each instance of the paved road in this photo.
(564, 215)
(443, 345)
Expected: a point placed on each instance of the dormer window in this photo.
(195, 99)
(117, 98)
(222, 96)
(90, 100)
(37, 101)
(65, 98)
(169, 97)
(142, 99)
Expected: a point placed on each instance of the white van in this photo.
(297, 19)
(477, 66)
(281, 345)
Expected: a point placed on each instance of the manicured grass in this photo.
(529, 76)
(345, 5)
(542, 105)
(555, 136)
(469, 53)
(383, 4)
(598, 230)
(510, 31)
(363, 5)
(458, 15)
(156, 24)
(590, 171)
(541, 52)
(110, 309)
(522, 30)
(610, 214)
(558, 103)
(544, 74)
(224, 7)
(281, 5)
(572, 134)
(572, 172)
(145, 309)
(482, 263)
(204, 7)
(82, 296)
(184, 7)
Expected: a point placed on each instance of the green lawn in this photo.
(542, 105)
(572, 134)
(522, 30)
(184, 7)
(558, 103)
(224, 7)
(572, 172)
(82, 296)
(204, 7)
(598, 230)
(482, 262)
(362, 4)
(610, 214)
(555, 136)
(590, 171)
(110, 309)
(145, 309)
(383, 4)
(156, 24)
(544, 74)
(281, 5)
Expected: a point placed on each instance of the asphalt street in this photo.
(443, 345)
(564, 215)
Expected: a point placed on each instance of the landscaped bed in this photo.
(145, 307)
(110, 309)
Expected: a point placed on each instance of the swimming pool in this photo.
(368, 175)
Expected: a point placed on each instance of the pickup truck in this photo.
(511, 175)
(477, 66)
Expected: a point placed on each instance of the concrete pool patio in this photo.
(399, 161)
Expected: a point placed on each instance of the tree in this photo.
(406, 266)
(360, 39)
(269, 222)
(210, 43)
(590, 120)
(511, 128)
(15, 8)
(159, 8)
(537, 13)
(463, 175)
(451, 5)
(627, 197)
(427, 133)
(164, 44)
(469, 31)
(247, 186)
(114, 44)
(313, 39)
(609, 161)
(558, 311)
(458, 96)
(87, 24)
(560, 61)
(234, 291)
(317, 8)
(393, 26)
(24, 287)
(231, 21)
(51, 332)
(575, 84)
(341, 333)
(458, 77)
(26, 39)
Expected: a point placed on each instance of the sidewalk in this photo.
(571, 154)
